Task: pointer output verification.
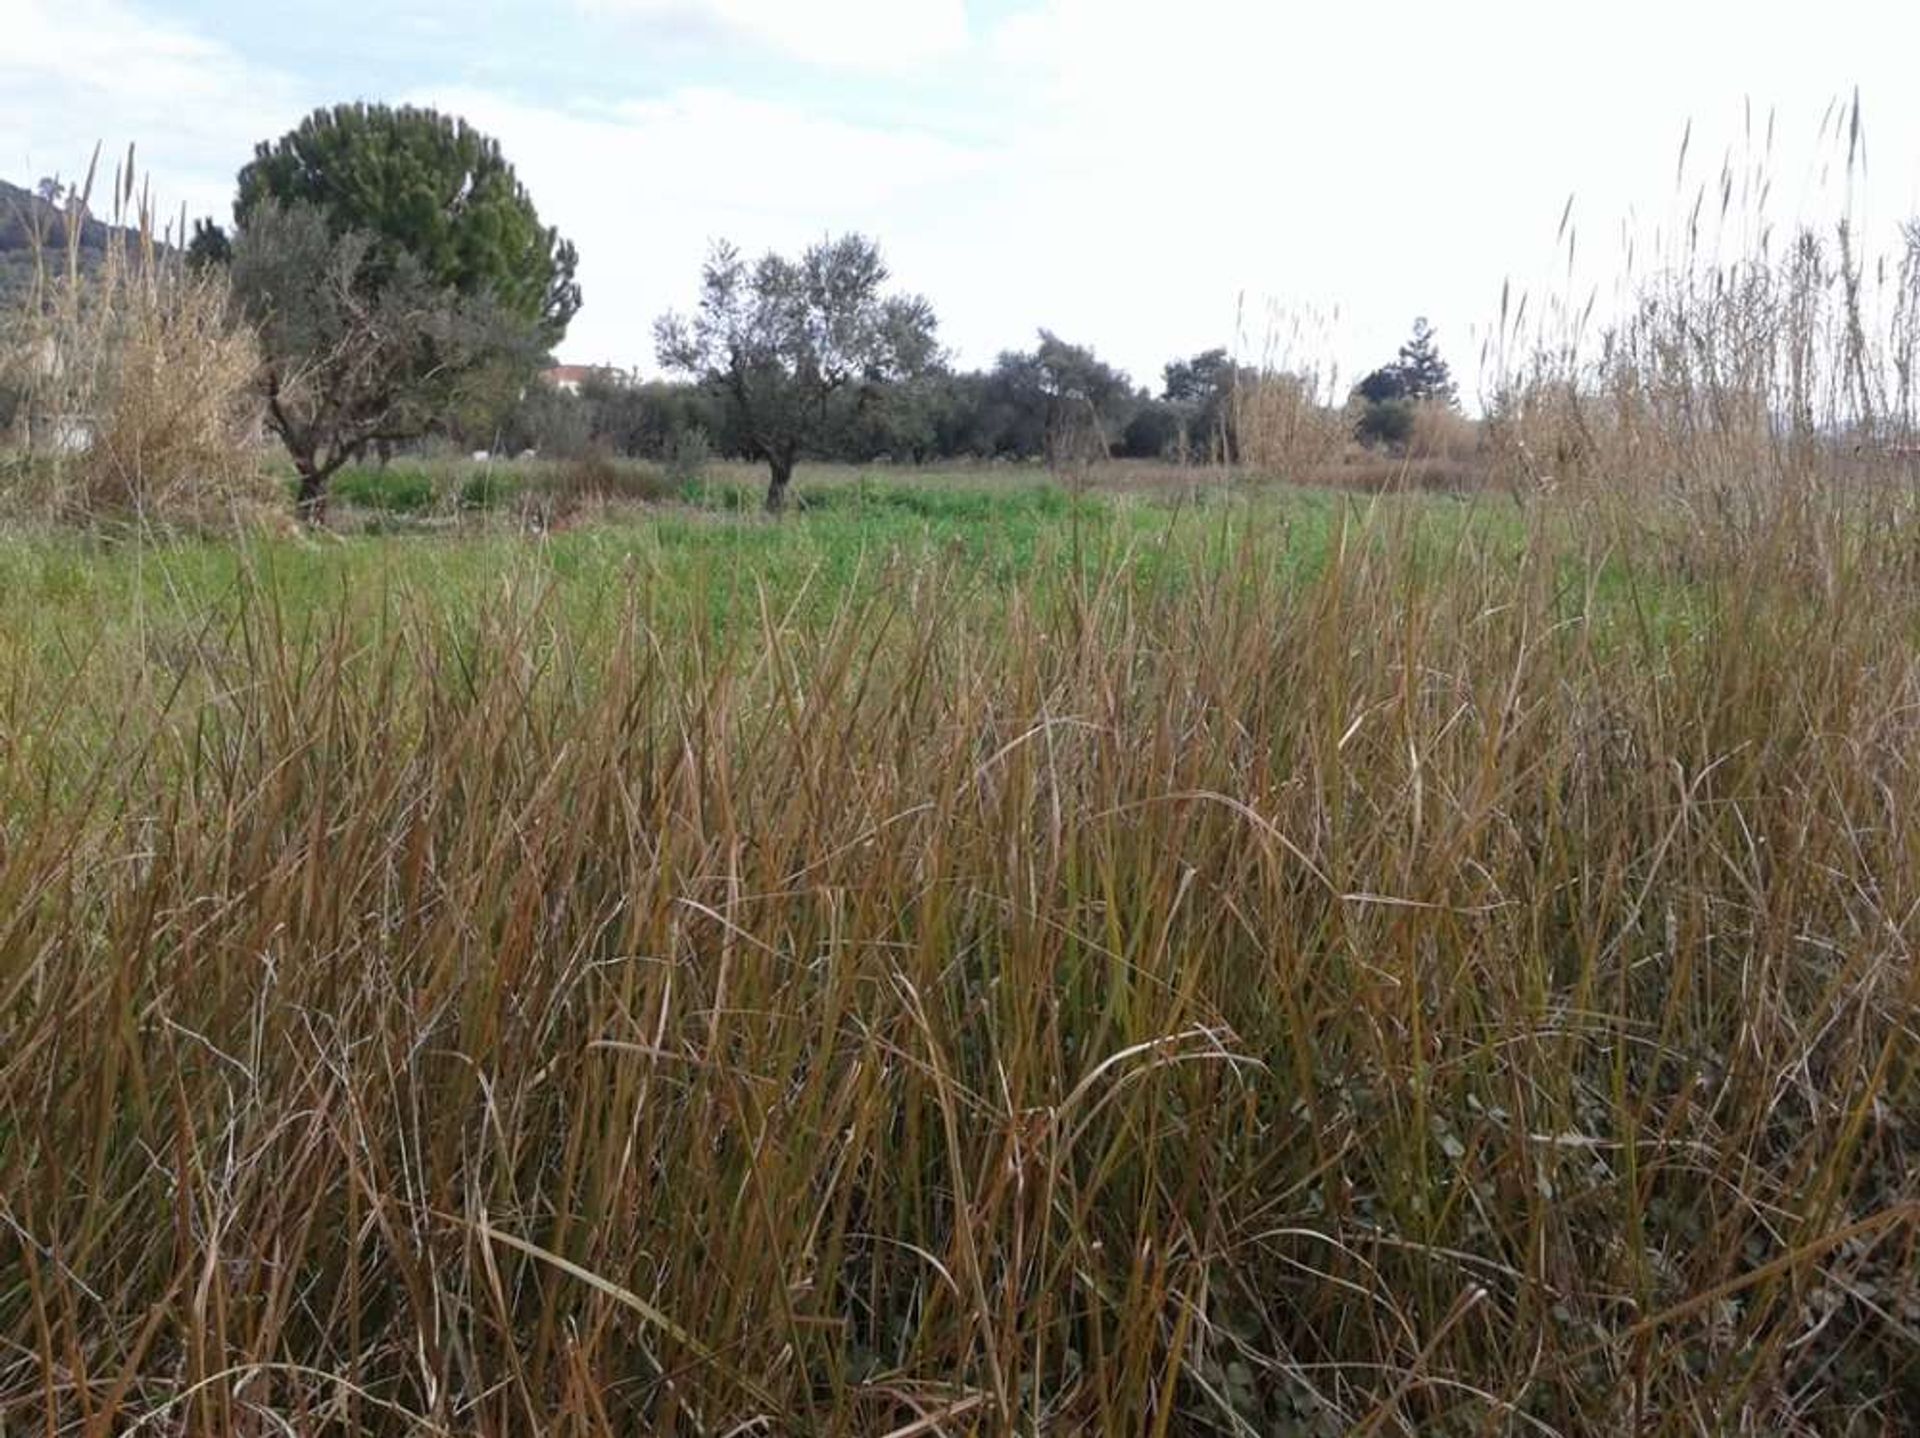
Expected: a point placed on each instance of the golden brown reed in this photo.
(139, 398)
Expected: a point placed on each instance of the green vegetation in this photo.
(1119, 948)
(401, 490)
(796, 350)
(386, 172)
(451, 533)
(1271, 964)
(1028, 405)
(1392, 396)
(383, 308)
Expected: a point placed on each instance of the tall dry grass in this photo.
(1751, 407)
(138, 380)
(1291, 421)
(1461, 981)
(1287, 412)
(1755, 357)
(1441, 432)
(1471, 989)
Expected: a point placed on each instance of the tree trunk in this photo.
(310, 502)
(777, 486)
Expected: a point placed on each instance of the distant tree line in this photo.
(1021, 408)
(402, 285)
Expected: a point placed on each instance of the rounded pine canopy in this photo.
(427, 185)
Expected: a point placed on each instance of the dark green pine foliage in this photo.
(1424, 374)
(210, 246)
(430, 186)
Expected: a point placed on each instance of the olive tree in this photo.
(796, 347)
(357, 350)
(399, 276)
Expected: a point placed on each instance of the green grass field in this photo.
(707, 559)
(965, 958)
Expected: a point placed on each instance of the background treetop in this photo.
(430, 186)
(1417, 373)
(1425, 374)
(795, 346)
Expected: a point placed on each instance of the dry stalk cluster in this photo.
(138, 382)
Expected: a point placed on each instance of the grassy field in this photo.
(437, 490)
(966, 958)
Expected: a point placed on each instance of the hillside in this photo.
(23, 214)
(27, 221)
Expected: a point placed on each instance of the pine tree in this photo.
(428, 186)
(1423, 374)
(209, 246)
(396, 270)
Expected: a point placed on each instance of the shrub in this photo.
(596, 478)
(1387, 422)
(687, 455)
(592, 476)
(552, 422)
(389, 491)
(489, 489)
(1158, 430)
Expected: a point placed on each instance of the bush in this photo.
(687, 456)
(549, 421)
(489, 489)
(1386, 422)
(387, 491)
(592, 476)
(1158, 430)
(596, 478)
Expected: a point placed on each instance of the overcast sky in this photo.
(1119, 171)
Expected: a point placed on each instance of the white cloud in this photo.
(645, 187)
(77, 72)
(864, 34)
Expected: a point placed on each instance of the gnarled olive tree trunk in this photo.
(781, 466)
